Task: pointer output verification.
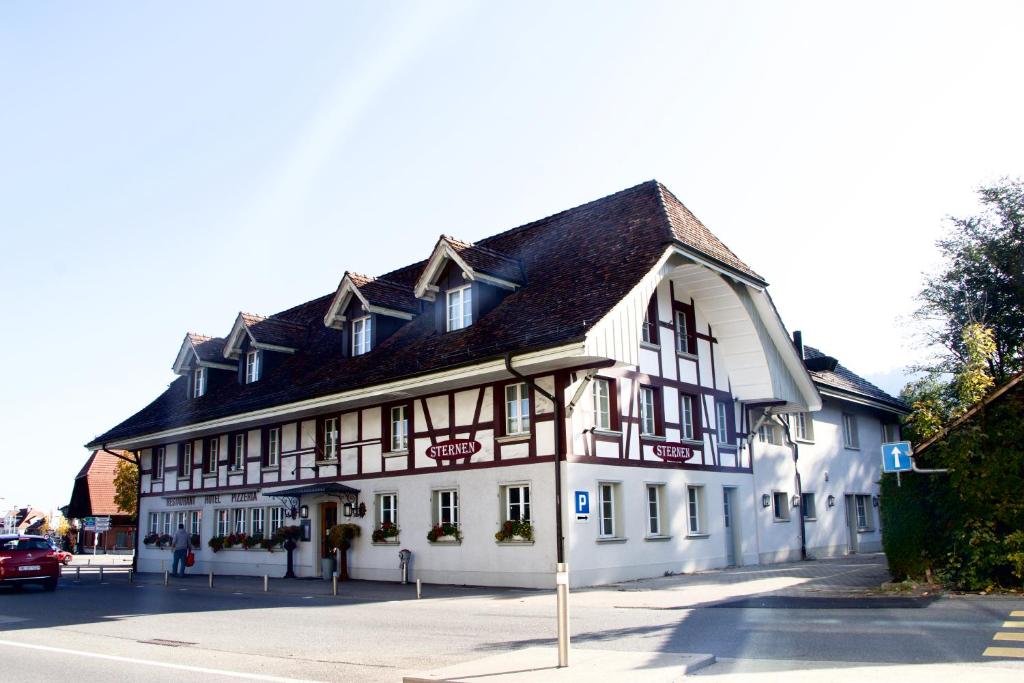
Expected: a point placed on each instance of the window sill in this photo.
(799, 440)
(851, 448)
(697, 443)
(269, 468)
(650, 346)
(446, 540)
(781, 521)
(810, 519)
(385, 543)
(699, 535)
(395, 454)
(866, 530)
(658, 537)
(514, 542)
(653, 437)
(236, 470)
(606, 432)
(686, 355)
(209, 475)
(323, 463)
(513, 438)
(611, 540)
(184, 478)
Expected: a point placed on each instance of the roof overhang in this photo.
(443, 252)
(860, 399)
(188, 358)
(347, 289)
(239, 333)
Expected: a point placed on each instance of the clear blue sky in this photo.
(165, 165)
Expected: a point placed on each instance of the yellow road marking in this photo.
(1013, 624)
(1017, 613)
(1009, 636)
(1004, 652)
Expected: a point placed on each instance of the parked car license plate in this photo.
(29, 568)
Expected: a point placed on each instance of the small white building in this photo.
(615, 361)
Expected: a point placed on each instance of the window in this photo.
(864, 516)
(212, 455)
(331, 439)
(399, 428)
(780, 506)
(238, 454)
(273, 447)
(655, 500)
(154, 523)
(649, 329)
(890, 432)
(198, 382)
(387, 508)
(722, 422)
(276, 519)
(180, 518)
(648, 424)
(517, 409)
(238, 520)
(686, 417)
(803, 426)
(361, 336)
(807, 508)
(602, 404)
(607, 494)
(682, 333)
(446, 507)
(158, 462)
(850, 437)
(769, 433)
(195, 524)
(695, 510)
(165, 523)
(256, 517)
(185, 464)
(460, 308)
(223, 523)
(252, 367)
(517, 503)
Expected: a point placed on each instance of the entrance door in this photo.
(851, 525)
(328, 518)
(728, 505)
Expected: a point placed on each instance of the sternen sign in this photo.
(453, 449)
(673, 452)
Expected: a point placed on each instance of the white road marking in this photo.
(147, 662)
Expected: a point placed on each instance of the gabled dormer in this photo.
(466, 281)
(260, 343)
(368, 311)
(201, 359)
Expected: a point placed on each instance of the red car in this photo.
(63, 556)
(28, 559)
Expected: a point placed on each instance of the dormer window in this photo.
(252, 366)
(198, 382)
(460, 308)
(361, 336)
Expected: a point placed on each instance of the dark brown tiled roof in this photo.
(380, 292)
(576, 265)
(843, 379)
(275, 330)
(487, 261)
(207, 348)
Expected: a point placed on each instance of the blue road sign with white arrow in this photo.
(896, 457)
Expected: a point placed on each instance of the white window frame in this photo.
(276, 519)
(894, 435)
(682, 333)
(186, 462)
(722, 422)
(602, 404)
(273, 447)
(459, 308)
(252, 366)
(257, 520)
(214, 455)
(446, 501)
(695, 519)
(780, 506)
(239, 520)
(808, 506)
(223, 522)
(159, 454)
(803, 427)
(862, 508)
(648, 423)
(399, 421)
(522, 506)
(154, 523)
(195, 522)
(655, 510)
(517, 409)
(851, 438)
(198, 382)
(165, 522)
(238, 453)
(649, 328)
(362, 335)
(332, 438)
(607, 509)
(387, 508)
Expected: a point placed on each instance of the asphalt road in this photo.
(121, 632)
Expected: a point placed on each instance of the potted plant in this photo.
(444, 533)
(151, 539)
(165, 539)
(340, 538)
(385, 531)
(194, 539)
(216, 543)
(514, 530)
(250, 542)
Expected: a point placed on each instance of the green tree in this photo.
(982, 281)
(126, 487)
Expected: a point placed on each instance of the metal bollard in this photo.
(101, 574)
(165, 577)
(418, 589)
(334, 584)
(78, 574)
(211, 578)
(266, 583)
(131, 575)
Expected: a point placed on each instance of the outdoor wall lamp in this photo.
(796, 501)
(766, 500)
(874, 501)
(350, 510)
(304, 512)
(831, 501)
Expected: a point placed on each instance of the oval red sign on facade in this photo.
(673, 452)
(453, 449)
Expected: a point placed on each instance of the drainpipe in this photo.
(137, 461)
(799, 487)
(561, 569)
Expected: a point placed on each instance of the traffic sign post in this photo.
(896, 457)
(582, 506)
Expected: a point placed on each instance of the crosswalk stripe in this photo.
(1017, 613)
(1004, 652)
(1009, 636)
(1013, 624)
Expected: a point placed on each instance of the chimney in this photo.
(798, 342)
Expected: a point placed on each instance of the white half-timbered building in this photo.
(616, 356)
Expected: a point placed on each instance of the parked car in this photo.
(63, 556)
(28, 559)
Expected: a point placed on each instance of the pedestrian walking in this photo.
(180, 544)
